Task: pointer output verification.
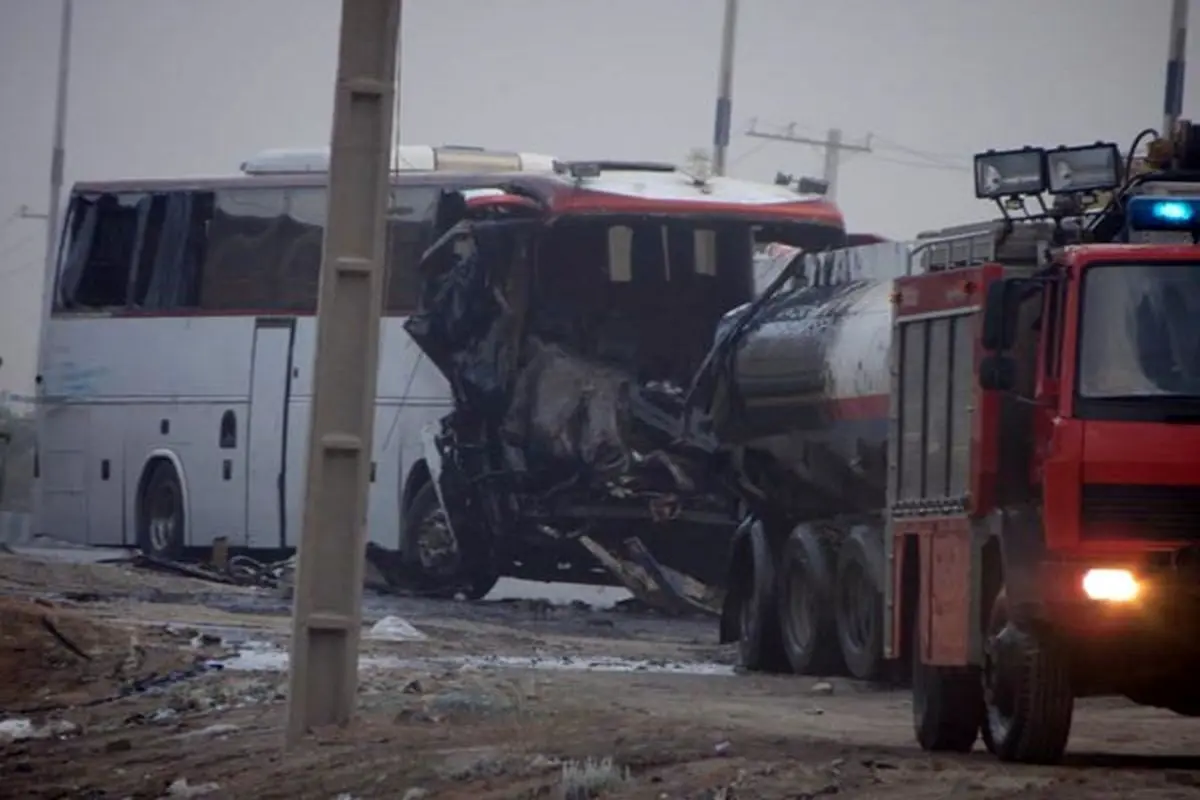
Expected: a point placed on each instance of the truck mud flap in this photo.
(652, 583)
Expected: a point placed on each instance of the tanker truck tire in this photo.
(753, 596)
(805, 590)
(858, 603)
(947, 703)
(1027, 693)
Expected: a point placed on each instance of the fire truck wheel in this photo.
(760, 645)
(947, 703)
(805, 588)
(447, 562)
(161, 517)
(858, 605)
(1027, 693)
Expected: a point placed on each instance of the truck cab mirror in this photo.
(999, 315)
(998, 373)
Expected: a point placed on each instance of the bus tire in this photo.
(947, 703)
(1028, 696)
(752, 598)
(858, 604)
(805, 589)
(468, 572)
(161, 519)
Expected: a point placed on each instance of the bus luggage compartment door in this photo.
(266, 433)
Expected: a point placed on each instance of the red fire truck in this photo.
(986, 469)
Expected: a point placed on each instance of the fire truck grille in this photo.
(1122, 511)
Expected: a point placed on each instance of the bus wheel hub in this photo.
(436, 545)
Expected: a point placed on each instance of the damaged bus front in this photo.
(569, 314)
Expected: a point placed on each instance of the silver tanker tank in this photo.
(805, 380)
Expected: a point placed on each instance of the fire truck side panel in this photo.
(933, 548)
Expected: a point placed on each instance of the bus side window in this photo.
(247, 239)
(167, 273)
(300, 268)
(105, 229)
(409, 232)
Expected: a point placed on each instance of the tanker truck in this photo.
(971, 460)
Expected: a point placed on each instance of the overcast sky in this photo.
(173, 87)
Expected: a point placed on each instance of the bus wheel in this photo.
(753, 595)
(161, 517)
(1027, 693)
(947, 703)
(809, 638)
(858, 606)
(446, 564)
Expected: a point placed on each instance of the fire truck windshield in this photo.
(1140, 331)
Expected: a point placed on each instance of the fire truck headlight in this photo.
(1010, 173)
(1110, 585)
(1094, 168)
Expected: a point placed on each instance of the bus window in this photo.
(301, 267)
(99, 256)
(410, 231)
(171, 250)
(249, 234)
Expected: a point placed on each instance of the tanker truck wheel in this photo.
(805, 590)
(1027, 692)
(858, 604)
(751, 598)
(947, 703)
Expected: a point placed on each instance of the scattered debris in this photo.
(181, 788)
(20, 729)
(396, 629)
(218, 729)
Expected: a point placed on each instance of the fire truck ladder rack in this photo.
(1021, 243)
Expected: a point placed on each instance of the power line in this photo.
(922, 164)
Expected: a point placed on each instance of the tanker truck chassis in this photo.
(972, 464)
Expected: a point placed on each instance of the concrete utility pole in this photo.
(1176, 67)
(327, 615)
(721, 127)
(833, 145)
(58, 157)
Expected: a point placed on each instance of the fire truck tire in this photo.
(467, 572)
(947, 703)
(858, 604)
(760, 642)
(1027, 693)
(805, 590)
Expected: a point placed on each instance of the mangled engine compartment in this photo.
(569, 347)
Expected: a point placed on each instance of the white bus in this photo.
(176, 378)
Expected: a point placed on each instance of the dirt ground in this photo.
(486, 700)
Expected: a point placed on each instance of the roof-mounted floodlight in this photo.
(1091, 168)
(1010, 173)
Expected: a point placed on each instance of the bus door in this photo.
(266, 434)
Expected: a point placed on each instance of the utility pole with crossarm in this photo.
(833, 145)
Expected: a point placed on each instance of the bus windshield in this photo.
(1139, 336)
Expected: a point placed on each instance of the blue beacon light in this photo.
(1159, 213)
(1172, 211)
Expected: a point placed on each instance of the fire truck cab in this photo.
(1054, 553)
